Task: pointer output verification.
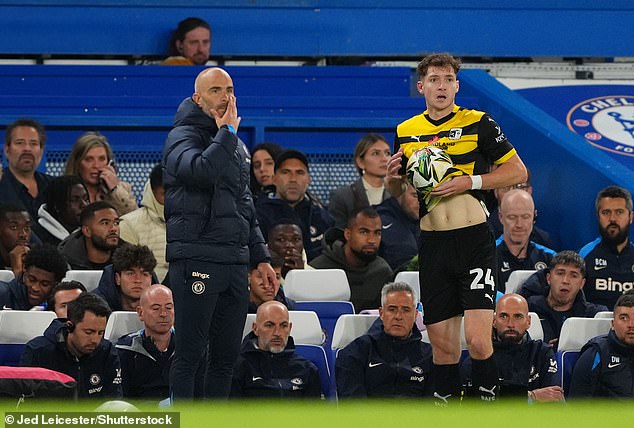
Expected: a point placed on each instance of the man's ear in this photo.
(117, 279)
(346, 234)
(196, 98)
(139, 312)
(85, 231)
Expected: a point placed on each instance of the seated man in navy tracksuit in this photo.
(75, 346)
(389, 361)
(268, 366)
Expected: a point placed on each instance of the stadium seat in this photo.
(17, 328)
(535, 330)
(328, 314)
(574, 334)
(121, 323)
(90, 278)
(306, 328)
(516, 280)
(604, 314)
(349, 327)
(317, 284)
(410, 278)
(317, 355)
(6, 275)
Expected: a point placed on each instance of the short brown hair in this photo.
(437, 60)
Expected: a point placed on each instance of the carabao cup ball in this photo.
(427, 167)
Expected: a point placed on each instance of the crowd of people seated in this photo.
(88, 219)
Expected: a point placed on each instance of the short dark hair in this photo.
(184, 27)
(87, 302)
(437, 60)
(626, 300)
(89, 211)
(569, 257)
(130, 256)
(31, 123)
(614, 192)
(9, 207)
(367, 141)
(282, 222)
(156, 177)
(368, 211)
(64, 285)
(47, 258)
(58, 193)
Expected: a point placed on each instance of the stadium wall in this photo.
(314, 28)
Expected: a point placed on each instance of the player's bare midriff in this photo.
(454, 212)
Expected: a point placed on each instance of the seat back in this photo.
(604, 314)
(516, 280)
(121, 323)
(306, 328)
(410, 278)
(17, 328)
(6, 275)
(349, 327)
(90, 278)
(317, 355)
(328, 314)
(535, 330)
(576, 332)
(317, 284)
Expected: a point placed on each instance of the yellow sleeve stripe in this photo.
(506, 157)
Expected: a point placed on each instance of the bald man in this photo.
(146, 355)
(268, 366)
(212, 234)
(526, 367)
(514, 249)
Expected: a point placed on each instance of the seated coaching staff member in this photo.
(76, 347)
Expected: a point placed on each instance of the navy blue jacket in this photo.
(608, 272)
(381, 366)
(604, 369)
(262, 374)
(13, 295)
(522, 367)
(11, 190)
(209, 210)
(312, 217)
(399, 235)
(110, 291)
(98, 374)
(538, 257)
(145, 369)
(552, 321)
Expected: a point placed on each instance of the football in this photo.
(427, 167)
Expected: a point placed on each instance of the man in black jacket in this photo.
(525, 366)
(390, 360)
(212, 234)
(565, 277)
(606, 365)
(76, 347)
(268, 366)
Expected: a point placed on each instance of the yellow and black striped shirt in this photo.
(472, 139)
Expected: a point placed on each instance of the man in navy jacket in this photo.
(268, 366)
(212, 234)
(390, 360)
(76, 347)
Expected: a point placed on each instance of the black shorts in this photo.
(457, 270)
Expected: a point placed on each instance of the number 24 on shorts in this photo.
(478, 283)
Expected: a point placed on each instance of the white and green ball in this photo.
(427, 167)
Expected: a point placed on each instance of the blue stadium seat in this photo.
(17, 328)
(574, 334)
(317, 355)
(328, 314)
